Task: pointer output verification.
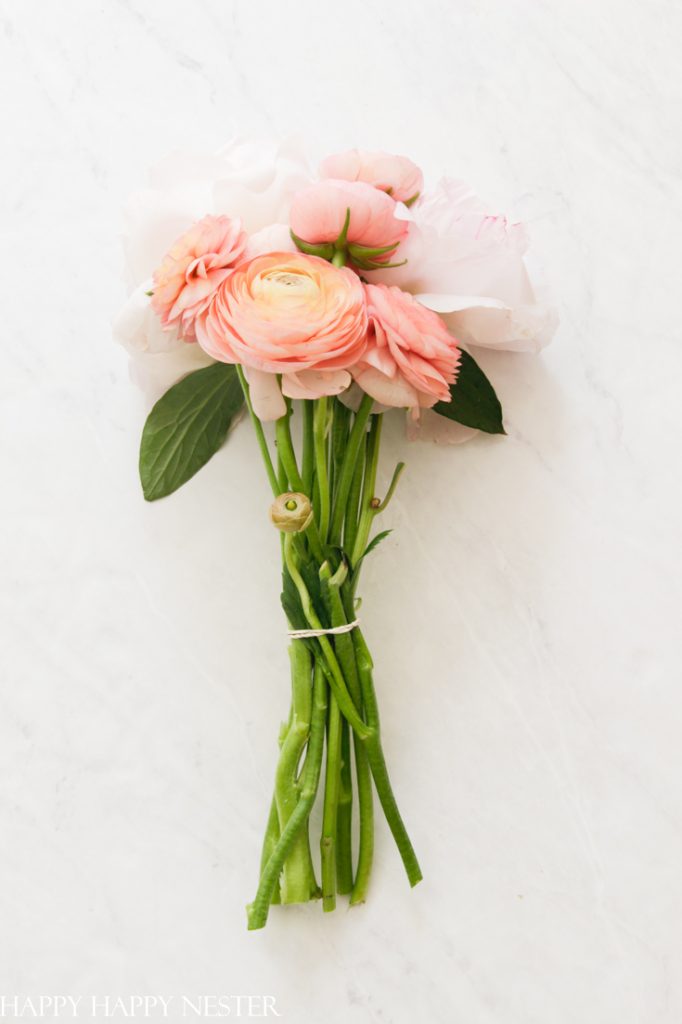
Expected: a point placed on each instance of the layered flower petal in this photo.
(397, 175)
(289, 314)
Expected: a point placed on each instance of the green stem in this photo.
(329, 848)
(270, 838)
(344, 854)
(260, 434)
(282, 482)
(332, 783)
(257, 912)
(345, 650)
(298, 880)
(308, 457)
(339, 440)
(348, 467)
(350, 526)
(367, 511)
(366, 810)
(285, 451)
(320, 445)
(377, 762)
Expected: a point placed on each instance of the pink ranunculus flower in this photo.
(192, 269)
(396, 175)
(411, 358)
(289, 314)
(318, 215)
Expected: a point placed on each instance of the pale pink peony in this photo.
(255, 181)
(192, 269)
(158, 357)
(318, 214)
(468, 265)
(289, 314)
(411, 358)
(274, 238)
(396, 175)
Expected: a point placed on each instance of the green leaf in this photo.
(291, 602)
(186, 427)
(473, 401)
(311, 578)
(370, 547)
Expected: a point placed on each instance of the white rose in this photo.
(469, 266)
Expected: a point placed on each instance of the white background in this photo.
(525, 612)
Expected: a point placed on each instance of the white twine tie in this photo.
(304, 634)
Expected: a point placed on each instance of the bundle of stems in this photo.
(334, 720)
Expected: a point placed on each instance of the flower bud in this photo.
(343, 213)
(291, 512)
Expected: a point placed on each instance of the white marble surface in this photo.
(526, 608)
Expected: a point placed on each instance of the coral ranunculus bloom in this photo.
(290, 314)
(411, 358)
(192, 269)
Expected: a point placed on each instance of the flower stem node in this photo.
(291, 512)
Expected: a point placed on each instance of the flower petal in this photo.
(391, 391)
(315, 383)
(265, 394)
(138, 328)
(273, 238)
(490, 323)
(156, 372)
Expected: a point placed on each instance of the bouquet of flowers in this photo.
(320, 303)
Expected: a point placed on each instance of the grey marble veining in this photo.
(524, 612)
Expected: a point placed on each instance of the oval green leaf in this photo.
(186, 427)
(473, 401)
